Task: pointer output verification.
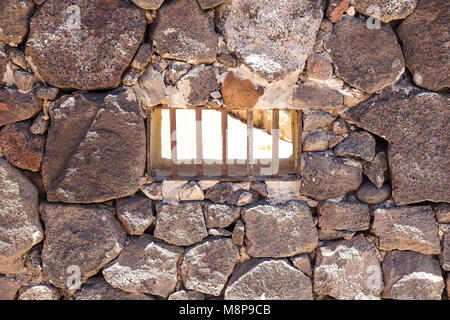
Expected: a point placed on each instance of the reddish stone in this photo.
(240, 93)
(15, 106)
(20, 147)
(336, 9)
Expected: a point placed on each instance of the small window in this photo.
(223, 144)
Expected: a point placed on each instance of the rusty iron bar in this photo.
(199, 142)
(173, 143)
(249, 160)
(224, 143)
(275, 142)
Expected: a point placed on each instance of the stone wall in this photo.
(369, 219)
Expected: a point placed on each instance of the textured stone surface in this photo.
(367, 59)
(425, 35)
(151, 89)
(349, 269)
(198, 83)
(316, 140)
(3, 66)
(14, 15)
(142, 57)
(220, 215)
(20, 147)
(181, 223)
(38, 292)
(182, 31)
(186, 295)
(416, 124)
(20, 228)
(375, 170)
(9, 285)
(325, 176)
(318, 67)
(445, 255)
(302, 263)
(388, 9)
(268, 279)
(370, 194)
(207, 265)
(40, 125)
(407, 228)
(410, 275)
(336, 9)
(145, 265)
(316, 119)
(238, 233)
(330, 234)
(240, 93)
(105, 157)
(98, 289)
(62, 46)
(273, 39)
(191, 191)
(148, 4)
(153, 190)
(343, 216)
(135, 213)
(78, 236)
(313, 95)
(442, 212)
(358, 144)
(15, 106)
(280, 230)
(220, 193)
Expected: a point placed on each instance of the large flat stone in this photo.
(410, 275)
(182, 31)
(270, 280)
(105, 155)
(343, 216)
(16, 106)
(367, 59)
(273, 39)
(407, 228)
(425, 35)
(325, 176)
(349, 269)
(181, 224)
(207, 265)
(416, 124)
(145, 265)
(98, 289)
(280, 230)
(85, 44)
(80, 238)
(14, 15)
(20, 228)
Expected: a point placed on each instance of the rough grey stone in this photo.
(325, 176)
(186, 295)
(182, 31)
(425, 35)
(407, 228)
(302, 263)
(416, 124)
(38, 292)
(62, 46)
(145, 265)
(343, 216)
(370, 194)
(105, 157)
(153, 190)
(238, 233)
(20, 228)
(375, 170)
(388, 9)
(268, 279)
(98, 289)
(349, 269)
(410, 275)
(273, 39)
(279, 230)
(135, 213)
(316, 119)
(313, 95)
(359, 144)
(316, 140)
(367, 59)
(80, 238)
(181, 223)
(207, 265)
(220, 215)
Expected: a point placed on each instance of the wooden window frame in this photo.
(297, 131)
